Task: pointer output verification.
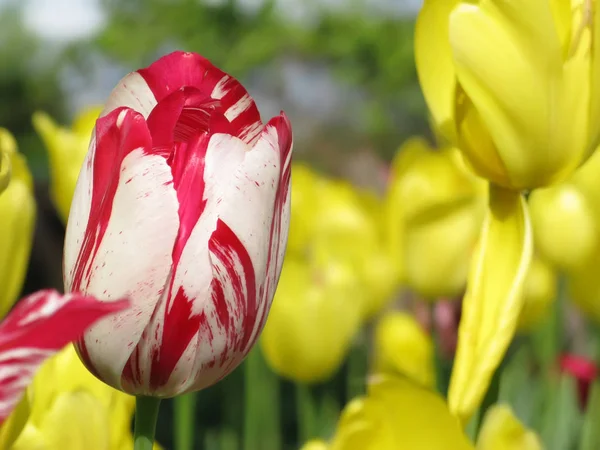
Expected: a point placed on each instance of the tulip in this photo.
(39, 326)
(441, 208)
(64, 392)
(315, 315)
(17, 220)
(581, 369)
(539, 293)
(66, 148)
(182, 205)
(402, 347)
(375, 422)
(518, 91)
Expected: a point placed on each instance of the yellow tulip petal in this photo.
(592, 15)
(584, 288)
(508, 59)
(413, 411)
(315, 445)
(435, 67)
(31, 439)
(539, 292)
(85, 121)
(563, 224)
(493, 300)
(403, 347)
(65, 427)
(14, 425)
(501, 430)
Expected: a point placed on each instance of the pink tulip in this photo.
(39, 326)
(182, 206)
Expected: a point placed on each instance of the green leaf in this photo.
(590, 433)
(561, 423)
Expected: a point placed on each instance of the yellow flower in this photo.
(315, 314)
(17, 220)
(517, 88)
(402, 347)
(438, 206)
(539, 292)
(67, 408)
(67, 148)
(397, 414)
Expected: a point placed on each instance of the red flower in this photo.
(39, 326)
(583, 370)
(183, 206)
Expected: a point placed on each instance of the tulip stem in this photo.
(185, 414)
(307, 413)
(146, 415)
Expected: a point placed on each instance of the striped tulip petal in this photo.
(39, 326)
(183, 207)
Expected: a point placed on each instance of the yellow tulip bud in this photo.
(403, 347)
(584, 287)
(315, 444)
(539, 291)
(66, 150)
(441, 206)
(315, 314)
(521, 97)
(564, 228)
(501, 430)
(17, 220)
(64, 392)
(304, 197)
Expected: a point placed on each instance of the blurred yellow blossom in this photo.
(438, 205)
(17, 220)
(66, 148)
(539, 292)
(314, 317)
(517, 88)
(402, 347)
(67, 408)
(397, 414)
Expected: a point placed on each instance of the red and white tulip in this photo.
(183, 207)
(38, 327)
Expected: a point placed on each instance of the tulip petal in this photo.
(179, 69)
(435, 67)
(184, 326)
(501, 430)
(40, 325)
(493, 300)
(121, 182)
(591, 15)
(525, 92)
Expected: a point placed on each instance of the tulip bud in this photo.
(403, 347)
(182, 205)
(501, 430)
(563, 224)
(17, 220)
(315, 315)
(584, 287)
(583, 370)
(442, 207)
(66, 150)
(539, 291)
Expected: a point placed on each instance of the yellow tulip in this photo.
(398, 414)
(315, 445)
(17, 220)
(66, 148)
(440, 206)
(315, 314)
(502, 431)
(517, 88)
(539, 292)
(403, 347)
(303, 215)
(68, 408)
(584, 287)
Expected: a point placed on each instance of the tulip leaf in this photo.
(493, 300)
(590, 433)
(561, 418)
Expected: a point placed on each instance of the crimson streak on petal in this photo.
(39, 326)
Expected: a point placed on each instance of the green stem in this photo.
(261, 410)
(146, 414)
(185, 414)
(307, 413)
(357, 364)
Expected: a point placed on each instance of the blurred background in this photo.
(342, 70)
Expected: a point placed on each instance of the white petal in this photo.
(133, 259)
(132, 92)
